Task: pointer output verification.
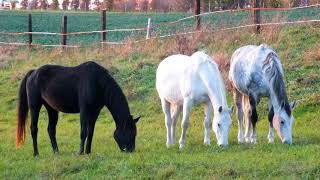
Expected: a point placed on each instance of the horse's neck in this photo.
(215, 86)
(276, 82)
(117, 104)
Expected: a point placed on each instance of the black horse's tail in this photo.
(22, 111)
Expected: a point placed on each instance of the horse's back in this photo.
(169, 77)
(179, 76)
(246, 68)
(66, 88)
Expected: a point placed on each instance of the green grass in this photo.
(152, 160)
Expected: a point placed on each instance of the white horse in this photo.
(256, 72)
(183, 81)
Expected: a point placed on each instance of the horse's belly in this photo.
(201, 99)
(173, 96)
(63, 105)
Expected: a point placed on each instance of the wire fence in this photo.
(84, 29)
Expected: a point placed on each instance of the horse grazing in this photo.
(256, 72)
(83, 89)
(186, 80)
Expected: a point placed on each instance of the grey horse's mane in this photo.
(275, 78)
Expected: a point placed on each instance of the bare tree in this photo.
(24, 4)
(180, 5)
(43, 4)
(65, 4)
(74, 4)
(54, 5)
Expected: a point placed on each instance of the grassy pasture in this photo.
(134, 68)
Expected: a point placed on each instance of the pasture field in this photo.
(50, 21)
(134, 67)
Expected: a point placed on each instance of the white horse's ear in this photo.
(231, 110)
(220, 109)
(293, 104)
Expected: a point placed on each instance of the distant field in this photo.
(49, 21)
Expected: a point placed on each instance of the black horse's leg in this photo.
(92, 122)
(53, 119)
(34, 112)
(254, 118)
(84, 117)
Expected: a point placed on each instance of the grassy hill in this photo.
(134, 67)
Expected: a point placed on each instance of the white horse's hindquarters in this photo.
(168, 78)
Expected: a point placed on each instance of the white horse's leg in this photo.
(187, 106)
(207, 122)
(247, 114)
(237, 97)
(270, 118)
(175, 115)
(166, 110)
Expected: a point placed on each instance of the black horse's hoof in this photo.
(36, 154)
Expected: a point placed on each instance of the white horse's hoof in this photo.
(253, 141)
(271, 141)
(169, 145)
(248, 140)
(207, 142)
(181, 146)
(240, 140)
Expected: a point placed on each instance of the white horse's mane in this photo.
(202, 58)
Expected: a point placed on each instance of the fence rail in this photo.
(149, 28)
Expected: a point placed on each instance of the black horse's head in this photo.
(125, 135)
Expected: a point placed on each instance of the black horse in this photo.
(83, 89)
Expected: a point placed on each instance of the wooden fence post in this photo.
(196, 13)
(64, 32)
(103, 27)
(256, 15)
(149, 29)
(30, 30)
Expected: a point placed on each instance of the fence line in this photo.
(241, 10)
(149, 28)
(73, 33)
(172, 35)
(160, 24)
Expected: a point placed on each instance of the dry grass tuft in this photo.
(312, 55)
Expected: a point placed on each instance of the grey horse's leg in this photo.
(237, 97)
(270, 118)
(253, 118)
(247, 115)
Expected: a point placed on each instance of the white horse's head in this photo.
(283, 121)
(221, 124)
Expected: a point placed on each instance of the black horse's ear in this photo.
(220, 109)
(136, 119)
